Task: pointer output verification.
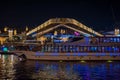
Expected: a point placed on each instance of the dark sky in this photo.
(97, 14)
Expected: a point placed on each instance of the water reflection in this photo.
(7, 70)
(12, 69)
(77, 70)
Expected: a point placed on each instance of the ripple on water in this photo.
(12, 69)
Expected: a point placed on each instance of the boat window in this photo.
(114, 39)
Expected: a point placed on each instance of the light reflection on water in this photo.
(12, 69)
(7, 70)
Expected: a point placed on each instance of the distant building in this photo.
(3, 38)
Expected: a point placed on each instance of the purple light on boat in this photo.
(76, 33)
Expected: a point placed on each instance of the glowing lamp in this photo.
(109, 61)
(82, 61)
(76, 33)
(5, 49)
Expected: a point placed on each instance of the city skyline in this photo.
(99, 15)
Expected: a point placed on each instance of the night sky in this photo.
(101, 15)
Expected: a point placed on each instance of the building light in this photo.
(10, 33)
(117, 31)
(5, 29)
(15, 32)
(26, 29)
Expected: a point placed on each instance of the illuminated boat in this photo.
(95, 48)
(68, 39)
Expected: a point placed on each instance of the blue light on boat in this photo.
(5, 49)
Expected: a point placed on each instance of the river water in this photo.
(12, 69)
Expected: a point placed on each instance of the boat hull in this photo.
(69, 56)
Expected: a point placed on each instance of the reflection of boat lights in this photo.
(11, 59)
(3, 58)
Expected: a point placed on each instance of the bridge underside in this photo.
(60, 29)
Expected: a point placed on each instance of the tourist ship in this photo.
(94, 48)
(60, 41)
